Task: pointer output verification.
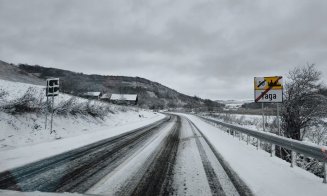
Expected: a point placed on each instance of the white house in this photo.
(92, 95)
(124, 99)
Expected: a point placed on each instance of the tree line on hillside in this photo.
(151, 94)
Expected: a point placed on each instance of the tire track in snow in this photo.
(238, 183)
(158, 177)
(79, 169)
(214, 184)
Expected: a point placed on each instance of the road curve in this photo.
(170, 157)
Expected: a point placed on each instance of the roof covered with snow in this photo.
(124, 97)
(106, 96)
(95, 94)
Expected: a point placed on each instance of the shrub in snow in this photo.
(318, 134)
(3, 94)
(65, 106)
(78, 108)
(312, 165)
(95, 109)
(28, 103)
(33, 101)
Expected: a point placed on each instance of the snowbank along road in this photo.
(170, 157)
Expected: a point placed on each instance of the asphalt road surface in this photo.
(170, 157)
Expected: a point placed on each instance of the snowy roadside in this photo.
(263, 174)
(24, 137)
(314, 134)
(245, 120)
(13, 158)
(29, 129)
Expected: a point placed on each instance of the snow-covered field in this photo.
(29, 129)
(233, 104)
(24, 139)
(315, 134)
(247, 121)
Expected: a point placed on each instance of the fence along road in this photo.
(310, 150)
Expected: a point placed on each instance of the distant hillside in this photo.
(151, 94)
(14, 73)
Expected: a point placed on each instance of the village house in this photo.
(92, 95)
(124, 99)
(105, 97)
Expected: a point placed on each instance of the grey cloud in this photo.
(207, 48)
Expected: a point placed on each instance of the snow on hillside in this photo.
(29, 128)
(233, 104)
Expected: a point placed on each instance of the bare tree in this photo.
(318, 134)
(303, 105)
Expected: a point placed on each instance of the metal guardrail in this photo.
(314, 151)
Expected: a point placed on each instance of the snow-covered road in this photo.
(180, 163)
(181, 156)
(171, 158)
(197, 170)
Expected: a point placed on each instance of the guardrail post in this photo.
(239, 136)
(258, 144)
(325, 172)
(293, 156)
(247, 139)
(272, 153)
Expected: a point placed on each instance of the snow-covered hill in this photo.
(28, 128)
(14, 73)
(151, 94)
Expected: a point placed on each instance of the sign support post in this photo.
(278, 119)
(263, 118)
(268, 90)
(46, 114)
(278, 122)
(52, 90)
(52, 114)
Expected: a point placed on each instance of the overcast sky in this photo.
(211, 49)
